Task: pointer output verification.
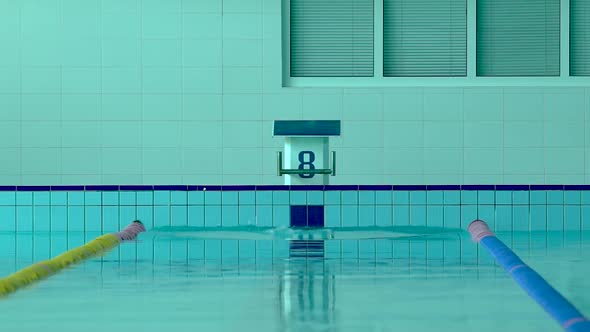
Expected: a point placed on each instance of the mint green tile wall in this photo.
(149, 91)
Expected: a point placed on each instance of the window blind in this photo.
(579, 38)
(424, 38)
(518, 37)
(331, 38)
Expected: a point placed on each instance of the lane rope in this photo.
(44, 269)
(555, 304)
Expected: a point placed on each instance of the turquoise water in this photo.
(287, 233)
(441, 282)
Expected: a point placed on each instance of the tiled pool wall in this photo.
(109, 208)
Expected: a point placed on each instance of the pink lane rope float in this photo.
(130, 232)
(41, 270)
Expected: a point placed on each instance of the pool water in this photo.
(187, 283)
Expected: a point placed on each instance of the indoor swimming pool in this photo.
(377, 258)
(295, 165)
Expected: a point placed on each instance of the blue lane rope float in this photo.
(41, 270)
(570, 319)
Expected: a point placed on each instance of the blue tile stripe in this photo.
(238, 188)
(334, 187)
(546, 187)
(135, 188)
(477, 187)
(171, 187)
(272, 187)
(67, 188)
(511, 187)
(33, 188)
(410, 187)
(102, 188)
(443, 187)
(576, 187)
(210, 188)
(306, 188)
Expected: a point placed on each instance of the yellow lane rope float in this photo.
(41, 270)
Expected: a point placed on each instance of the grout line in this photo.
(20, 90)
(15, 231)
(544, 133)
(204, 221)
(141, 91)
(61, 90)
(153, 225)
(563, 213)
(261, 97)
(462, 174)
(503, 119)
(586, 132)
(222, 92)
(170, 224)
(84, 208)
(182, 110)
(100, 92)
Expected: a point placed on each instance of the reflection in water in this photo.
(304, 248)
(306, 289)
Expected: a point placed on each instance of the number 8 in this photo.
(304, 163)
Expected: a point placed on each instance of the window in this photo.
(424, 38)
(331, 38)
(518, 37)
(379, 43)
(579, 38)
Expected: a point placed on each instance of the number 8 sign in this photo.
(307, 159)
(303, 163)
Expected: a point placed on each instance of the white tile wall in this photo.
(181, 91)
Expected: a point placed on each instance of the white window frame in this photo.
(378, 80)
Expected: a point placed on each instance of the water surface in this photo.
(433, 282)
